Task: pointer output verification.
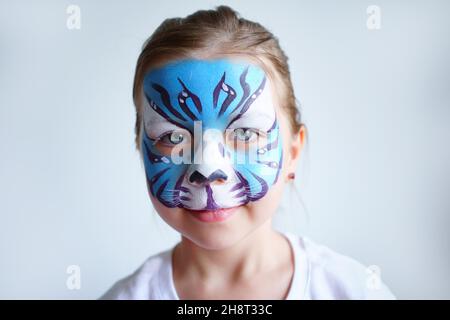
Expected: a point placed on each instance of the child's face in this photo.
(212, 142)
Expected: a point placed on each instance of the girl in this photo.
(220, 136)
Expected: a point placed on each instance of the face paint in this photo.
(208, 112)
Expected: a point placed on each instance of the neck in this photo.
(253, 253)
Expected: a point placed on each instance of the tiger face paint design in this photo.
(218, 118)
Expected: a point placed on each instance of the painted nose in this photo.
(198, 178)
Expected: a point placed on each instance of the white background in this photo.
(375, 183)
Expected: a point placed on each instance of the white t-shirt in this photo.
(319, 273)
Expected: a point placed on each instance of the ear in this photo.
(294, 150)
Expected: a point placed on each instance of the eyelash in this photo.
(258, 132)
(167, 134)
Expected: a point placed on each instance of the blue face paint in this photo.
(210, 101)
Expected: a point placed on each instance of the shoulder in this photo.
(144, 283)
(332, 275)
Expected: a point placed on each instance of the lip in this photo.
(218, 215)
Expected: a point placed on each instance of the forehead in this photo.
(212, 91)
(202, 74)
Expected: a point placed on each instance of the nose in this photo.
(217, 176)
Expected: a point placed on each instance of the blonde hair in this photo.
(206, 33)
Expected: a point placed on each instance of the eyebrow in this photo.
(259, 115)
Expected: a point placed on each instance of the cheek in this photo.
(266, 207)
(262, 169)
(172, 216)
(285, 132)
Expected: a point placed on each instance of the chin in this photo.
(213, 235)
(215, 239)
(216, 235)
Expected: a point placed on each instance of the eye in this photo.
(172, 138)
(245, 134)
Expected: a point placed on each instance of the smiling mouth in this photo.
(216, 215)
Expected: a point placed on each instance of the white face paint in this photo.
(217, 116)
